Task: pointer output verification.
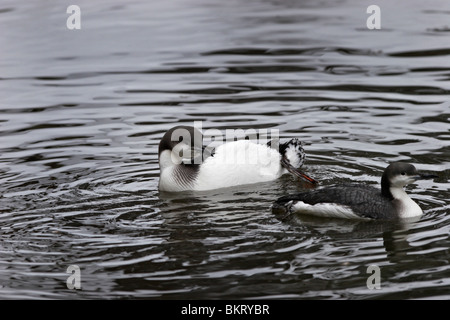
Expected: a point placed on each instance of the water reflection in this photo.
(394, 234)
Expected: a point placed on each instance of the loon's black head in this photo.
(186, 135)
(398, 175)
(181, 145)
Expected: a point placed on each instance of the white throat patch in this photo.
(408, 208)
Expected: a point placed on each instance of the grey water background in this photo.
(82, 112)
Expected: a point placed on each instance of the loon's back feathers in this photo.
(366, 201)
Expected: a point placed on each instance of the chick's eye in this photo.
(403, 173)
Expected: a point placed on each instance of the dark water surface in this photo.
(82, 112)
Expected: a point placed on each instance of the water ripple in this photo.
(81, 121)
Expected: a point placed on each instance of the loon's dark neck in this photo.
(386, 187)
(185, 174)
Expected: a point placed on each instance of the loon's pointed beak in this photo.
(296, 172)
(425, 176)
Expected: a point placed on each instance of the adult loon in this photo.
(185, 164)
(359, 201)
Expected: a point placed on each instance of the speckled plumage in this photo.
(358, 200)
(365, 201)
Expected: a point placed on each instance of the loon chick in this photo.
(185, 164)
(359, 201)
